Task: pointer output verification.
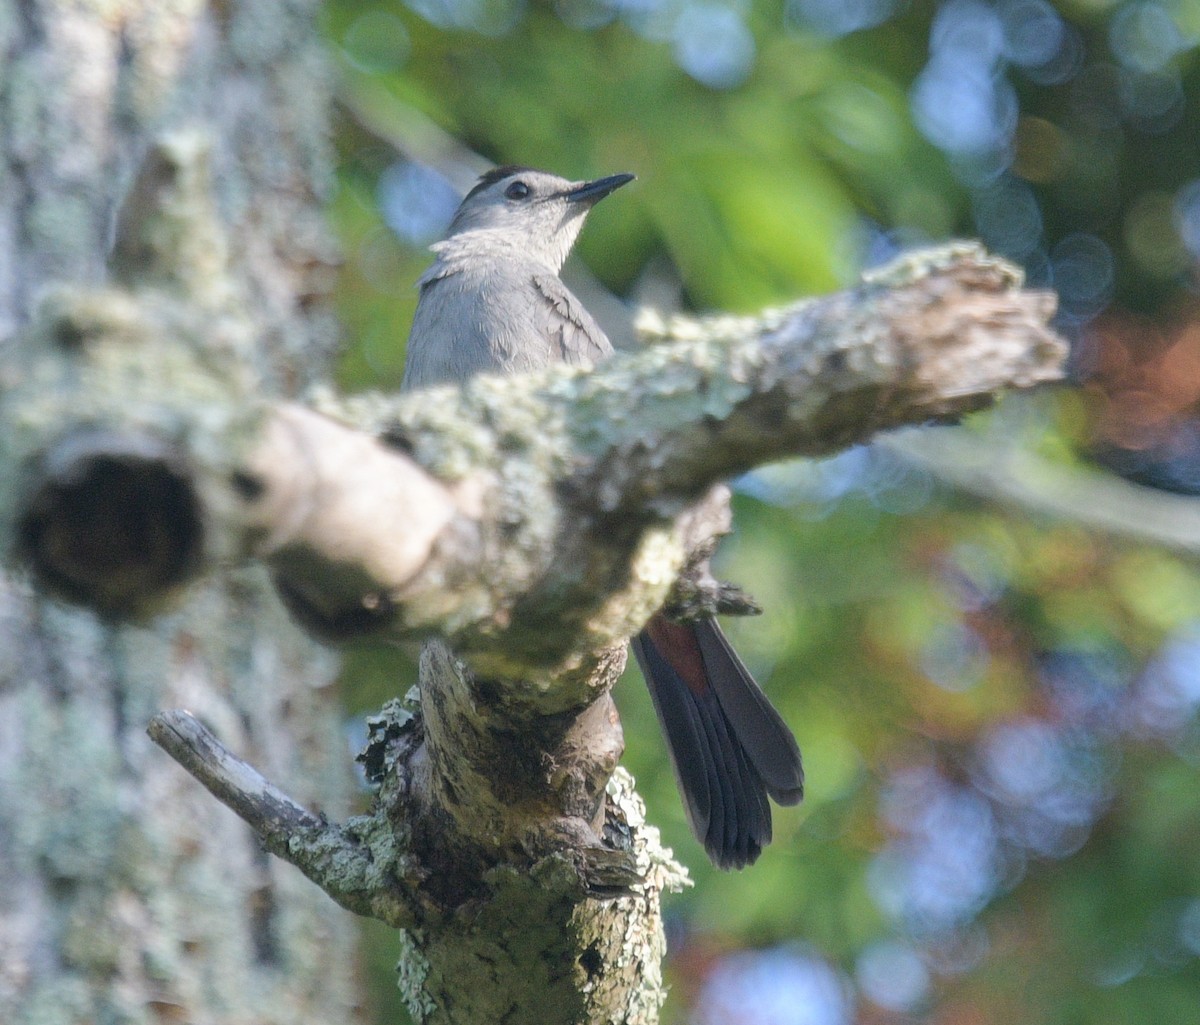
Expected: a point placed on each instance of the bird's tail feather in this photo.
(765, 737)
(728, 746)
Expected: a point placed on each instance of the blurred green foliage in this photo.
(997, 714)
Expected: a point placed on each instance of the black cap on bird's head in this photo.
(536, 210)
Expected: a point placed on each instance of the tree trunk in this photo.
(126, 893)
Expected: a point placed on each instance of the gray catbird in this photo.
(493, 301)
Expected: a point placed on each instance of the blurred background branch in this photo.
(1034, 485)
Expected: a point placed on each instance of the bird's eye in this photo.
(517, 190)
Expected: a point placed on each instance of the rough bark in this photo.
(126, 895)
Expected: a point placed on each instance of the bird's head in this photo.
(539, 212)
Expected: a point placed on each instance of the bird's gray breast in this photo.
(508, 318)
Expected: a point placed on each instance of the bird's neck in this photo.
(491, 243)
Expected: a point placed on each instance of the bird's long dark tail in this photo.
(730, 748)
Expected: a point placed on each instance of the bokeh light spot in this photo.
(892, 975)
(1083, 271)
(967, 29)
(1189, 927)
(1151, 235)
(783, 986)
(1153, 100)
(491, 17)
(713, 45)
(1144, 36)
(1032, 30)
(1008, 217)
(1187, 216)
(943, 866)
(954, 657)
(962, 107)
(837, 17)
(416, 201)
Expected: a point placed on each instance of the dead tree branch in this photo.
(339, 858)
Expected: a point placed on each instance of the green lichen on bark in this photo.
(535, 950)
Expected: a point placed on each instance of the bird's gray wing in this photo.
(567, 325)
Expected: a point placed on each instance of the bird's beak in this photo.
(594, 191)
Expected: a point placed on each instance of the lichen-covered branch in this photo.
(584, 475)
(936, 334)
(556, 941)
(360, 875)
(530, 520)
